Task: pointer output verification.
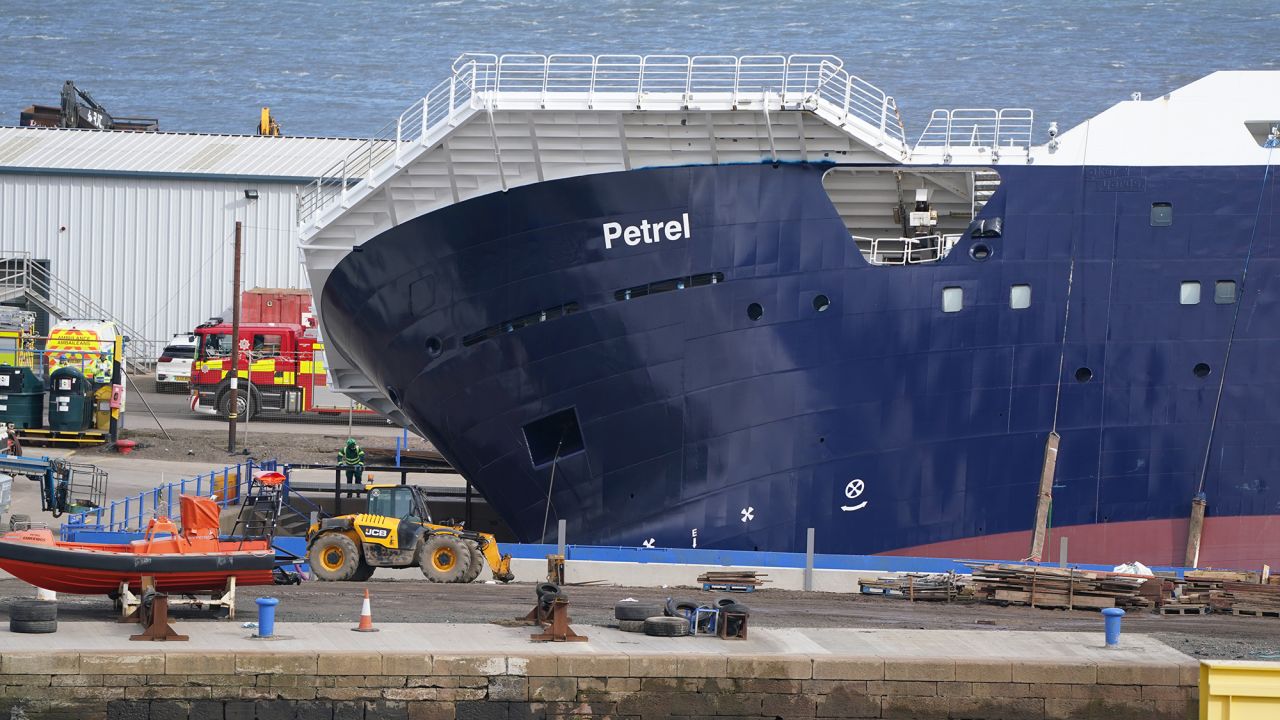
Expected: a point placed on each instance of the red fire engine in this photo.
(282, 372)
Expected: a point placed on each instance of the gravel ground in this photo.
(210, 446)
(399, 600)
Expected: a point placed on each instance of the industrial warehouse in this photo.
(137, 227)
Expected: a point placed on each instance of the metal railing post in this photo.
(453, 82)
(884, 116)
(399, 122)
(848, 90)
(426, 111)
(737, 79)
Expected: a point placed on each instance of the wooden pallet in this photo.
(1250, 612)
(728, 587)
(1184, 610)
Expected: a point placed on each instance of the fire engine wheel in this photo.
(477, 561)
(246, 405)
(334, 557)
(445, 558)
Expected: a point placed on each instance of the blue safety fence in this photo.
(131, 513)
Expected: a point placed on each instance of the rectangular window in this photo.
(1020, 297)
(952, 299)
(1161, 214)
(1190, 292)
(265, 346)
(1224, 292)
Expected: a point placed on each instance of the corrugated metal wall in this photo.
(156, 252)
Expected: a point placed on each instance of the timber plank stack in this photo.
(1224, 591)
(916, 586)
(740, 580)
(1049, 587)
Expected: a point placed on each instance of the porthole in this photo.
(1084, 375)
(980, 252)
(1201, 370)
(755, 311)
(821, 303)
(434, 346)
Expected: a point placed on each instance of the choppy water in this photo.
(347, 68)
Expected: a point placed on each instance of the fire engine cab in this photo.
(281, 371)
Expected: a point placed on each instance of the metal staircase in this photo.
(25, 278)
(985, 183)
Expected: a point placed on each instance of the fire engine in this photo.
(282, 372)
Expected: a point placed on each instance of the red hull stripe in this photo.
(1242, 542)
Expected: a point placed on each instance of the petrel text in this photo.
(646, 232)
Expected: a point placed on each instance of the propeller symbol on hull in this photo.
(854, 489)
(649, 543)
(748, 513)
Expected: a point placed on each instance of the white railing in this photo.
(415, 125)
(978, 127)
(613, 81)
(906, 250)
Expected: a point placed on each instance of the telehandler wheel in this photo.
(364, 572)
(444, 559)
(334, 557)
(477, 562)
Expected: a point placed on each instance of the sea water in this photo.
(348, 68)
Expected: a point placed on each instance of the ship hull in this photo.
(746, 374)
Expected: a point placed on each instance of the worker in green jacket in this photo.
(352, 458)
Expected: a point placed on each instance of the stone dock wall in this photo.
(161, 685)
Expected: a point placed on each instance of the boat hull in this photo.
(883, 422)
(99, 571)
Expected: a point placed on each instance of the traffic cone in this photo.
(366, 616)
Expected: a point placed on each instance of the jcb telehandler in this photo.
(396, 531)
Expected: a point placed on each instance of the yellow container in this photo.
(1239, 690)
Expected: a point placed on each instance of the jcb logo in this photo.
(374, 532)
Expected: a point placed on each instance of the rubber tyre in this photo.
(33, 610)
(19, 521)
(632, 626)
(636, 610)
(725, 601)
(364, 572)
(444, 559)
(33, 626)
(334, 557)
(477, 561)
(224, 405)
(547, 589)
(678, 608)
(734, 607)
(663, 626)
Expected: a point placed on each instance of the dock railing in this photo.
(131, 513)
(482, 81)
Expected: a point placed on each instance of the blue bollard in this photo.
(267, 616)
(1111, 623)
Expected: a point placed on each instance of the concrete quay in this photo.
(323, 671)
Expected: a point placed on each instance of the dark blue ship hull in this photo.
(732, 388)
